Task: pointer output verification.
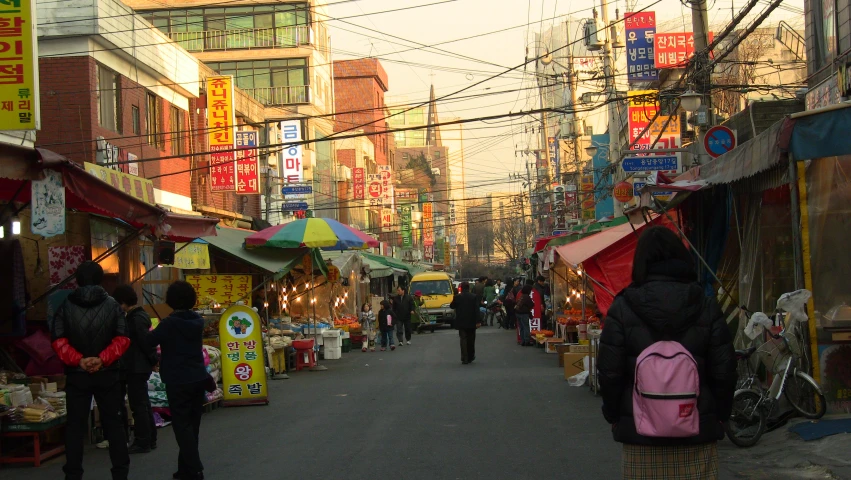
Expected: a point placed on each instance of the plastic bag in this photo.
(578, 380)
(757, 324)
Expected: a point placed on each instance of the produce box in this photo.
(573, 364)
(550, 344)
(561, 349)
(580, 349)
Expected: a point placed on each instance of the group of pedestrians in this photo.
(395, 316)
(109, 350)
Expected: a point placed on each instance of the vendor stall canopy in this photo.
(277, 262)
(19, 166)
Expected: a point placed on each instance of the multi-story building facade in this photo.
(278, 52)
(828, 47)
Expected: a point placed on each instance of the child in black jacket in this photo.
(386, 323)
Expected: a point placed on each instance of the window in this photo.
(404, 156)
(152, 120)
(176, 133)
(272, 82)
(433, 287)
(134, 115)
(436, 154)
(399, 137)
(589, 130)
(109, 98)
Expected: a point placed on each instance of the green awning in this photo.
(276, 261)
(393, 263)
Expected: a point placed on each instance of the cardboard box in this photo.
(550, 344)
(580, 349)
(561, 350)
(573, 364)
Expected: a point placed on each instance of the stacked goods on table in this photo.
(347, 323)
(214, 367)
(15, 395)
(57, 401)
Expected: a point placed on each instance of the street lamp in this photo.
(690, 101)
(591, 150)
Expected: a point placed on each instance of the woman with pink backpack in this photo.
(666, 366)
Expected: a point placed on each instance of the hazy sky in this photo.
(500, 32)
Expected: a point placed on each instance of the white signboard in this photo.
(293, 166)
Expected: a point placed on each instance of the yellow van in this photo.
(438, 292)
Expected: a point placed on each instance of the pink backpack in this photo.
(664, 403)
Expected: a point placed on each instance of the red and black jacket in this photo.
(89, 323)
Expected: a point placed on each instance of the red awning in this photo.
(86, 193)
(541, 243)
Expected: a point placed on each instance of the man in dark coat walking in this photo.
(466, 319)
(403, 306)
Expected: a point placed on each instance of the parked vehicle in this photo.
(437, 291)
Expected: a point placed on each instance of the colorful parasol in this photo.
(312, 232)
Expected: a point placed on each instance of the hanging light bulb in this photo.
(312, 301)
(298, 299)
(293, 288)
(16, 226)
(285, 298)
(2, 232)
(265, 304)
(346, 295)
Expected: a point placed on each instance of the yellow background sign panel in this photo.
(194, 256)
(225, 289)
(220, 111)
(19, 102)
(138, 187)
(243, 369)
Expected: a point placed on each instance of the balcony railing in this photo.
(280, 95)
(243, 39)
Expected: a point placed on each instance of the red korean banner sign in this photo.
(386, 184)
(428, 224)
(359, 181)
(643, 108)
(247, 174)
(386, 219)
(220, 124)
(674, 50)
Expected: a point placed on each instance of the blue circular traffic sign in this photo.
(718, 141)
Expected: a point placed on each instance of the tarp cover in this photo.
(278, 262)
(821, 135)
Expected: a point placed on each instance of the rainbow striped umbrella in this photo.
(312, 232)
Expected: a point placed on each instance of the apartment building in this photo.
(279, 53)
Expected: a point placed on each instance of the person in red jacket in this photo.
(90, 336)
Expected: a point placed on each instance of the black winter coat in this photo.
(525, 304)
(403, 305)
(90, 319)
(140, 356)
(466, 311)
(668, 306)
(180, 338)
(382, 320)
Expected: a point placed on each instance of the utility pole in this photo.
(545, 145)
(609, 72)
(700, 26)
(572, 82)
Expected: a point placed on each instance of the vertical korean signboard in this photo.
(428, 224)
(604, 206)
(587, 194)
(405, 227)
(19, 100)
(386, 184)
(640, 29)
(220, 124)
(243, 370)
(386, 219)
(247, 174)
(359, 182)
(375, 189)
(293, 163)
(642, 110)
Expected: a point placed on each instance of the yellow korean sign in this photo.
(642, 98)
(220, 111)
(138, 187)
(224, 289)
(243, 369)
(19, 101)
(192, 256)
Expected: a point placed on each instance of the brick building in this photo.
(359, 88)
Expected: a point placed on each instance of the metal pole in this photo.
(700, 26)
(317, 367)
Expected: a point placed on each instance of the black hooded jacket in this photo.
(140, 356)
(179, 336)
(89, 319)
(668, 306)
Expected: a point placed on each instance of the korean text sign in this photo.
(386, 219)
(247, 164)
(640, 29)
(674, 50)
(386, 186)
(224, 289)
(405, 227)
(293, 161)
(375, 189)
(243, 370)
(428, 224)
(359, 181)
(19, 101)
(642, 110)
(220, 124)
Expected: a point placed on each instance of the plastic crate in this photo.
(347, 345)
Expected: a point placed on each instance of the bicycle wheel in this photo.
(747, 422)
(805, 396)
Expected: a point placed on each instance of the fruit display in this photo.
(350, 321)
(545, 333)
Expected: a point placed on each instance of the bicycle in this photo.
(782, 355)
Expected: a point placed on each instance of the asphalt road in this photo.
(415, 413)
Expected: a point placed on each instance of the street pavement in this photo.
(414, 413)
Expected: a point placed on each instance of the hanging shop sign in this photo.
(220, 126)
(48, 205)
(642, 109)
(297, 190)
(663, 163)
(447, 253)
(552, 145)
(674, 50)
(428, 224)
(137, 187)
(224, 289)
(375, 189)
(570, 199)
(604, 206)
(386, 184)
(293, 161)
(640, 30)
(19, 92)
(622, 192)
(637, 186)
(386, 219)
(192, 256)
(359, 182)
(428, 253)
(247, 163)
(243, 368)
(405, 227)
(288, 207)
(587, 194)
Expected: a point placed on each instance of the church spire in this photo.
(432, 130)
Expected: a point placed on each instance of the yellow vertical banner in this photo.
(19, 101)
(220, 131)
(243, 368)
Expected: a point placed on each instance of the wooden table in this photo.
(35, 451)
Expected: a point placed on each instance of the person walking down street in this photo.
(479, 291)
(183, 372)
(524, 307)
(665, 308)
(404, 306)
(138, 363)
(490, 294)
(509, 299)
(89, 335)
(367, 322)
(386, 325)
(466, 320)
(542, 294)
